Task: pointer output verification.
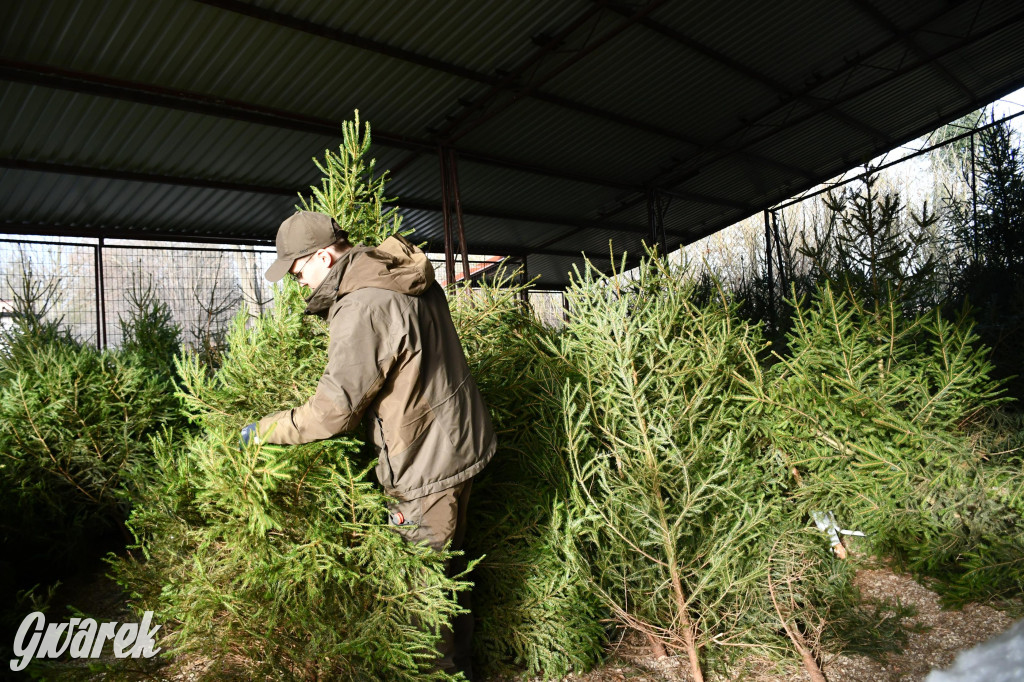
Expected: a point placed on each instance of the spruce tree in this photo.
(989, 240)
(75, 429)
(350, 190)
(874, 251)
(876, 416)
(534, 614)
(75, 421)
(282, 555)
(670, 500)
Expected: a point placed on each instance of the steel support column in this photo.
(453, 169)
(768, 260)
(449, 257)
(974, 197)
(657, 206)
(101, 299)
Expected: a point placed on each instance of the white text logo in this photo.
(81, 638)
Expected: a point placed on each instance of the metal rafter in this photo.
(847, 66)
(890, 77)
(115, 232)
(499, 83)
(500, 249)
(352, 39)
(183, 100)
(451, 131)
(11, 227)
(751, 73)
(141, 176)
(410, 203)
(882, 20)
(464, 125)
(840, 71)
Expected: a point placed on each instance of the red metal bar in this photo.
(453, 168)
(449, 259)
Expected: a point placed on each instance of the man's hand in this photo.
(249, 435)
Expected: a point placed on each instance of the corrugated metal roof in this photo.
(199, 118)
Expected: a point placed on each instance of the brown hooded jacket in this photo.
(394, 354)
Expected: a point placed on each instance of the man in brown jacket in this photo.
(395, 357)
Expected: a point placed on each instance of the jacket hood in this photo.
(395, 265)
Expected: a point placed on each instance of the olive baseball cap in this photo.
(304, 233)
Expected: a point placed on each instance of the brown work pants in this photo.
(437, 520)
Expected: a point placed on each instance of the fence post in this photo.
(974, 197)
(101, 301)
(257, 280)
(768, 260)
(783, 275)
(526, 278)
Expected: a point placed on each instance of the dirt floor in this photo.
(935, 637)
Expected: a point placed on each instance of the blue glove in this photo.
(249, 434)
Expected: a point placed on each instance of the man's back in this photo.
(394, 354)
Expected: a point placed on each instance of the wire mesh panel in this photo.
(203, 286)
(59, 278)
(477, 265)
(549, 307)
(92, 285)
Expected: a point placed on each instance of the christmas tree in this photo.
(75, 421)
(534, 614)
(282, 556)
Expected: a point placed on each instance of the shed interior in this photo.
(575, 125)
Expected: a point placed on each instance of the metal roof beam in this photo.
(834, 74)
(183, 100)
(348, 38)
(11, 227)
(750, 73)
(91, 84)
(882, 20)
(95, 232)
(463, 125)
(806, 92)
(499, 249)
(457, 128)
(546, 219)
(233, 186)
(696, 197)
(851, 95)
(137, 176)
(892, 76)
(498, 83)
